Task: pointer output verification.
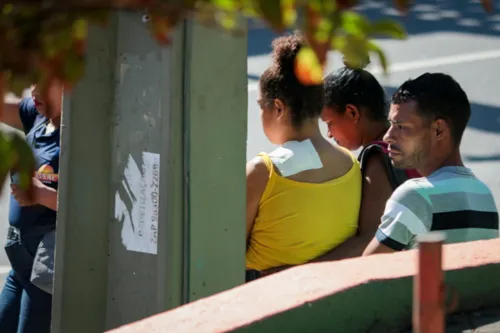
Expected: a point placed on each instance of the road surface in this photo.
(450, 36)
(455, 37)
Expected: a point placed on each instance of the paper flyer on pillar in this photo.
(139, 210)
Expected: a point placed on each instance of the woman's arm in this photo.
(257, 177)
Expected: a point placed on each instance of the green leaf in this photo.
(315, 5)
(323, 30)
(339, 43)
(74, 67)
(289, 12)
(354, 48)
(98, 17)
(271, 12)
(18, 84)
(354, 23)
(80, 29)
(225, 5)
(16, 154)
(5, 161)
(22, 160)
(250, 8)
(330, 6)
(7, 9)
(387, 27)
(228, 20)
(372, 47)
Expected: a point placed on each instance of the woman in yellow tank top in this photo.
(294, 217)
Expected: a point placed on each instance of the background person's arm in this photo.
(46, 196)
(43, 195)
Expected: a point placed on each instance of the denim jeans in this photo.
(24, 308)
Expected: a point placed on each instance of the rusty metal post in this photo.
(428, 287)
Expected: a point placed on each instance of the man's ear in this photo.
(352, 112)
(441, 129)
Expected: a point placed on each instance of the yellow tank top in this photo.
(298, 222)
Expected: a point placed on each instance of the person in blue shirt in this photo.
(24, 308)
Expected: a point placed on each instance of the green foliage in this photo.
(15, 155)
(40, 43)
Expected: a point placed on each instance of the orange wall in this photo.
(359, 295)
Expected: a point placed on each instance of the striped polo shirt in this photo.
(451, 200)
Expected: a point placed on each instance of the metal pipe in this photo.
(428, 287)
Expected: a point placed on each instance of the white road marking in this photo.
(420, 64)
(4, 269)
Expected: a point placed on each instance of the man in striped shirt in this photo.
(428, 116)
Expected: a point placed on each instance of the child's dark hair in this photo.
(357, 87)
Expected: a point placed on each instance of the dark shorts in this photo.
(251, 274)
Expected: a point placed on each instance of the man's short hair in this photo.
(438, 96)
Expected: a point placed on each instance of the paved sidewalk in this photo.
(485, 321)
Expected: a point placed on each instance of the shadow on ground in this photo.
(482, 321)
(464, 16)
(426, 16)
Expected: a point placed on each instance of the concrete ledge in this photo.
(372, 294)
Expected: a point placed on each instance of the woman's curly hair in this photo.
(279, 81)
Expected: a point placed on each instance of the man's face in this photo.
(48, 102)
(409, 137)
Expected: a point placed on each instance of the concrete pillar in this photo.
(80, 287)
(216, 87)
(182, 108)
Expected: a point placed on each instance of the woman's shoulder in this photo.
(346, 153)
(259, 167)
(260, 162)
(340, 157)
